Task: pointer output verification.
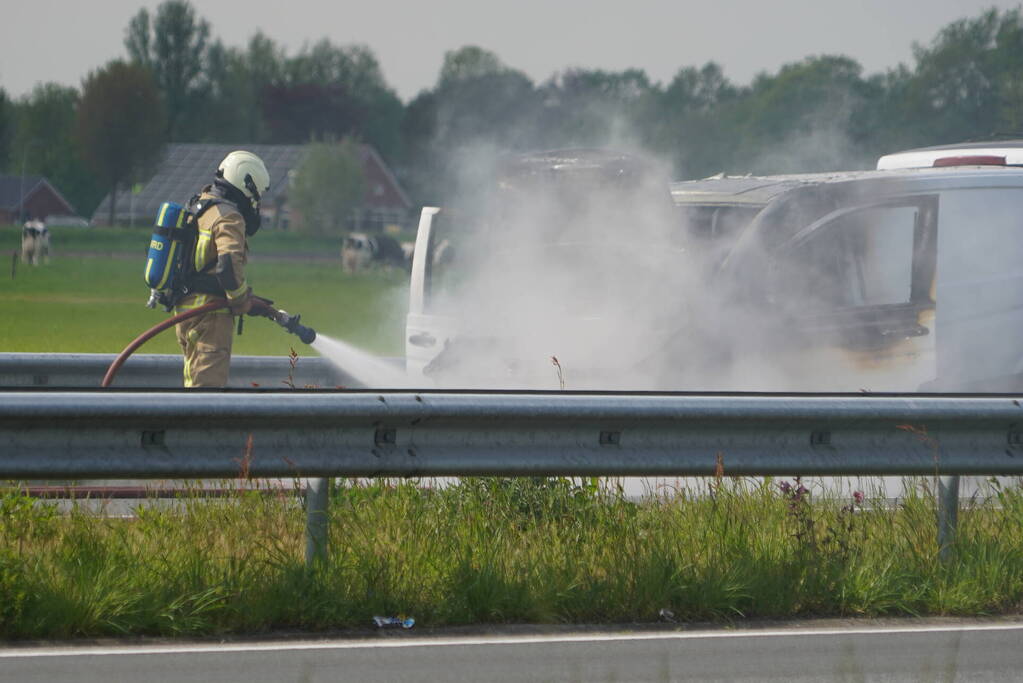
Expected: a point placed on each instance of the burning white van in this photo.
(907, 280)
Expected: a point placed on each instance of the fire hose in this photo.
(260, 307)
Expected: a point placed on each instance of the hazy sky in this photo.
(61, 40)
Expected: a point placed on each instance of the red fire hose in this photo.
(152, 332)
(260, 306)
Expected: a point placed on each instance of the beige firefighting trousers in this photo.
(206, 345)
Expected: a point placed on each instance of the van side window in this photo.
(861, 257)
(712, 231)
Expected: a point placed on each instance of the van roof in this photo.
(754, 191)
(924, 157)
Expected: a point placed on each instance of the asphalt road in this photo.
(945, 651)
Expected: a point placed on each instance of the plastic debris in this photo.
(666, 614)
(394, 622)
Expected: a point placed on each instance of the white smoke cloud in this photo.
(573, 263)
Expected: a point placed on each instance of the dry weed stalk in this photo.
(561, 375)
(245, 463)
(292, 363)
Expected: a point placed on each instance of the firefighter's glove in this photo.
(242, 304)
(261, 306)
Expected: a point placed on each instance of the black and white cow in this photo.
(35, 243)
(359, 250)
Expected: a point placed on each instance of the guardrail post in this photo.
(317, 495)
(948, 513)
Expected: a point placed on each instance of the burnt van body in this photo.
(908, 280)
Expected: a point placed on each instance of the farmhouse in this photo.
(186, 166)
(30, 195)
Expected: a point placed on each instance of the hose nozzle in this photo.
(292, 324)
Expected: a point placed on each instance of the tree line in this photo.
(178, 83)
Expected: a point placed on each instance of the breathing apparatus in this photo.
(241, 180)
(173, 235)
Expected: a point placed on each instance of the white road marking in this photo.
(74, 651)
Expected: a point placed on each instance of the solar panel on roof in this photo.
(188, 166)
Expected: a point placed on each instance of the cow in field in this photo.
(359, 250)
(35, 243)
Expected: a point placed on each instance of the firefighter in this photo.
(228, 213)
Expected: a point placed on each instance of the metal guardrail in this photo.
(163, 371)
(122, 434)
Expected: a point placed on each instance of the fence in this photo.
(48, 435)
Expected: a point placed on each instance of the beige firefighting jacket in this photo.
(221, 242)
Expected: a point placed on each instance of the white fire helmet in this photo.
(247, 172)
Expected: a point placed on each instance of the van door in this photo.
(859, 286)
(426, 330)
(980, 290)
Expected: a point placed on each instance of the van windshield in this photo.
(710, 231)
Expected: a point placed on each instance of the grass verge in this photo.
(499, 551)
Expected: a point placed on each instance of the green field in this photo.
(91, 298)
